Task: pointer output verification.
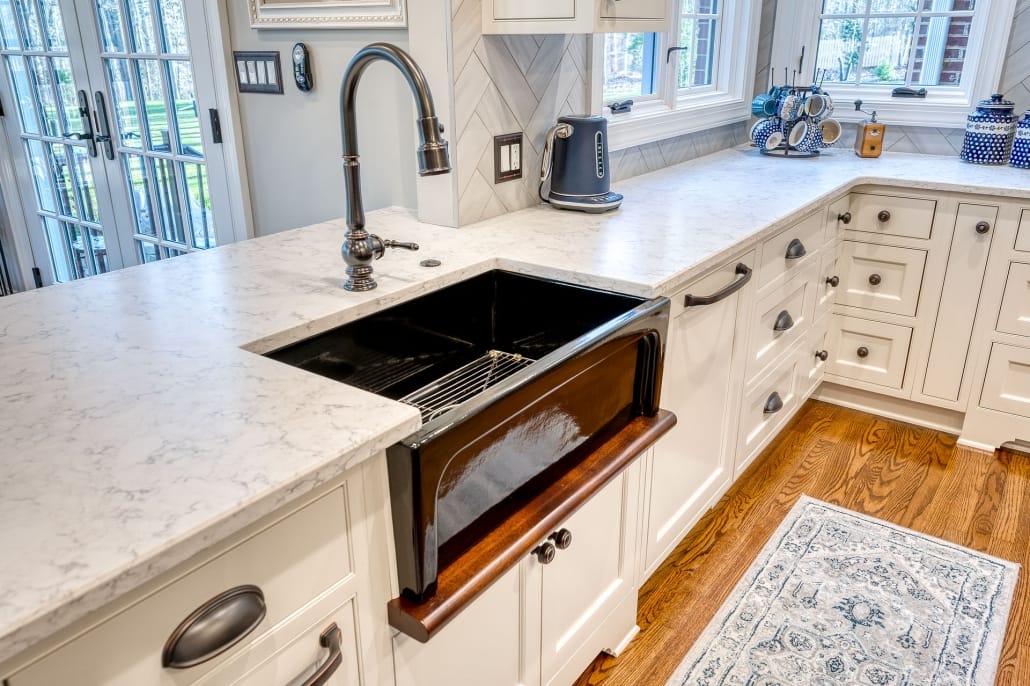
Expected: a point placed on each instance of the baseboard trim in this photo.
(937, 418)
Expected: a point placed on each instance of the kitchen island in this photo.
(138, 433)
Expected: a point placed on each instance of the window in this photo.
(695, 76)
(864, 49)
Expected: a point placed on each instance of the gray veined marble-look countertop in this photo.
(138, 426)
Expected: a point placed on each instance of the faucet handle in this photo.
(387, 243)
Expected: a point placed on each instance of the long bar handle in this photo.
(103, 125)
(743, 272)
(87, 125)
(331, 638)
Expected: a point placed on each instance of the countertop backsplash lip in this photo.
(269, 433)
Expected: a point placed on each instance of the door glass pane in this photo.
(43, 87)
(187, 121)
(139, 195)
(63, 179)
(201, 221)
(70, 121)
(141, 19)
(8, 29)
(893, 6)
(94, 251)
(109, 19)
(151, 89)
(85, 189)
(123, 103)
(39, 166)
(173, 27)
(166, 189)
(23, 92)
(844, 6)
(28, 21)
(53, 25)
(148, 252)
(64, 265)
(172, 252)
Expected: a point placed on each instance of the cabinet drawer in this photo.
(912, 217)
(1023, 234)
(781, 317)
(791, 250)
(881, 277)
(1007, 384)
(811, 363)
(292, 561)
(1015, 304)
(534, 9)
(633, 9)
(869, 351)
(765, 409)
(829, 274)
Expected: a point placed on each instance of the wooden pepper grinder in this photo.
(869, 140)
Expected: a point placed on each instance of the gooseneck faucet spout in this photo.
(361, 248)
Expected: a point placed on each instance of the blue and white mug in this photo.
(766, 133)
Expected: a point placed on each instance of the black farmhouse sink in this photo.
(514, 376)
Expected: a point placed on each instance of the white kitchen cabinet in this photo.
(770, 401)
(884, 278)
(574, 16)
(692, 465)
(782, 315)
(543, 623)
(867, 350)
(892, 215)
(790, 251)
(314, 564)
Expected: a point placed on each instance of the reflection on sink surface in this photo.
(517, 379)
(484, 328)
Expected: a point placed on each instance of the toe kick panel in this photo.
(869, 351)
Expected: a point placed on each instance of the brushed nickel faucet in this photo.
(361, 248)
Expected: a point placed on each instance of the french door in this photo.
(109, 124)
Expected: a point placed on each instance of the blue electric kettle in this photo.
(576, 160)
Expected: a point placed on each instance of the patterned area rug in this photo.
(836, 598)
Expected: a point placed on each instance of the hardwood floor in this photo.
(914, 477)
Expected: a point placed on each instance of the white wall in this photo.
(292, 141)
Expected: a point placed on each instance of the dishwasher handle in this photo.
(743, 272)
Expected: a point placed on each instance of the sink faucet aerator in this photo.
(361, 248)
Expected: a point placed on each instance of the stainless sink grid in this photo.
(454, 388)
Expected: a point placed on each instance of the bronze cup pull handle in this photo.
(214, 627)
(884, 216)
(773, 404)
(784, 322)
(330, 638)
(795, 250)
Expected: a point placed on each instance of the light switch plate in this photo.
(508, 157)
(258, 71)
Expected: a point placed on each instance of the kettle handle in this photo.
(560, 130)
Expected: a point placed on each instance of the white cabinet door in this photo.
(633, 9)
(693, 463)
(587, 580)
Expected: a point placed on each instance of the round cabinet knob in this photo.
(823, 355)
(562, 538)
(833, 281)
(983, 227)
(884, 216)
(844, 218)
(545, 553)
(875, 279)
(863, 352)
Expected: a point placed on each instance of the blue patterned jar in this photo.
(989, 132)
(1021, 147)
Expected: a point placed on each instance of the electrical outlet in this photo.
(507, 157)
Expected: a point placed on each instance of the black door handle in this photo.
(744, 273)
(103, 125)
(87, 125)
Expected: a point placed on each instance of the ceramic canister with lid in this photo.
(1021, 147)
(989, 131)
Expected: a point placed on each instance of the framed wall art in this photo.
(327, 14)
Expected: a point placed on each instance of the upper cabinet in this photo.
(574, 16)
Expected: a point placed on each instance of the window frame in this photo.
(944, 106)
(673, 112)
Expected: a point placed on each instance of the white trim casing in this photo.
(327, 14)
(797, 26)
(726, 102)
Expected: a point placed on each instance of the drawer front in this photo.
(790, 251)
(891, 215)
(534, 9)
(829, 274)
(781, 317)
(1023, 234)
(1007, 384)
(811, 364)
(881, 277)
(765, 409)
(292, 561)
(1015, 304)
(868, 351)
(833, 222)
(633, 9)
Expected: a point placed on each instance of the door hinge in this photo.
(37, 277)
(216, 125)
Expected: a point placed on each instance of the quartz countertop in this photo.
(140, 426)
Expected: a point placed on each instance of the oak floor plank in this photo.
(914, 477)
